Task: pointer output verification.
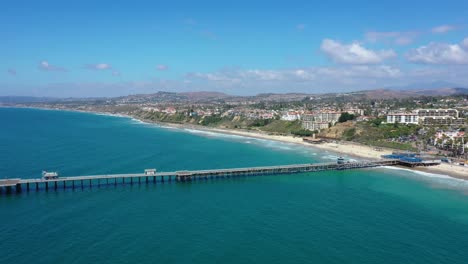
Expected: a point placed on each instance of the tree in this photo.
(345, 117)
(302, 133)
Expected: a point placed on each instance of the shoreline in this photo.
(340, 148)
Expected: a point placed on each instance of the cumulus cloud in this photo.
(11, 71)
(162, 67)
(354, 53)
(98, 66)
(394, 37)
(442, 29)
(46, 66)
(299, 74)
(465, 43)
(310, 79)
(440, 53)
(338, 78)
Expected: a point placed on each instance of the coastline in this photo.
(340, 148)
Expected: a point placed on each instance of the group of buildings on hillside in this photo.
(426, 117)
(326, 117)
(318, 120)
(323, 119)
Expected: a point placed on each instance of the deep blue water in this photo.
(361, 216)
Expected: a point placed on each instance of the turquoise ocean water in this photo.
(362, 216)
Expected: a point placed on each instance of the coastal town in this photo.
(206, 132)
(432, 125)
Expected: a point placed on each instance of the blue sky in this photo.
(110, 48)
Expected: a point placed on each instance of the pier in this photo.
(17, 185)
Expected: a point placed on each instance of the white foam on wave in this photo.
(436, 180)
(213, 134)
(422, 173)
(108, 114)
(330, 157)
(137, 121)
(167, 127)
(246, 139)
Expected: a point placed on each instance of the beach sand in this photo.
(341, 148)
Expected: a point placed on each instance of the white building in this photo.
(354, 111)
(312, 125)
(329, 117)
(320, 120)
(403, 118)
(439, 116)
(437, 112)
(449, 134)
(291, 116)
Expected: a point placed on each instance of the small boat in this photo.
(340, 160)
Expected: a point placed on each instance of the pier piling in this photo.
(197, 175)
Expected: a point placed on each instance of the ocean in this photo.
(378, 215)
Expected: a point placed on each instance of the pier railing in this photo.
(19, 184)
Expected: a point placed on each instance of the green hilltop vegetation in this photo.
(376, 133)
(271, 126)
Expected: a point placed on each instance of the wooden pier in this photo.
(17, 185)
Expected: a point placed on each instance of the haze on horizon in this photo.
(108, 48)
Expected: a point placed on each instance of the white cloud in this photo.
(465, 43)
(319, 74)
(354, 53)
(162, 67)
(394, 37)
(46, 66)
(341, 78)
(442, 29)
(440, 53)
(98, 66)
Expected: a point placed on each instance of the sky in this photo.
(112, 48)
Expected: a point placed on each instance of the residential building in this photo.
(441, 120)
(291, 116)
(354, 111)
(327, 116)
(311, 122)
(437, 112)
(312, 125)
(402, 118)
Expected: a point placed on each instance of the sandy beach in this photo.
(344, 148)
(341, 148)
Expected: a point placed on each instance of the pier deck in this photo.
(182, 176)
